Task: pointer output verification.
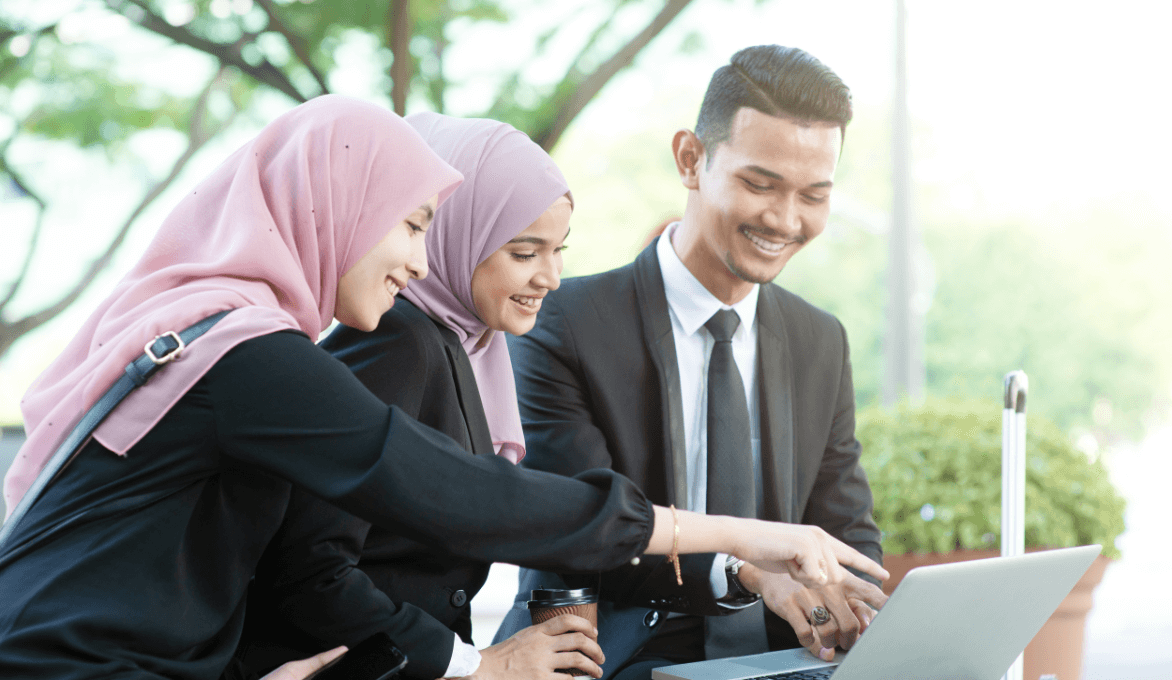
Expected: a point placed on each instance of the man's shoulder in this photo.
(794, 307)
(591, 284)
(602, 292)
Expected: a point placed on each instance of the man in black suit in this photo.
(746, 411)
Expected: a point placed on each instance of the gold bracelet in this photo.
(674, 558)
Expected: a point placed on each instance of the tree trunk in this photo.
(399, 38)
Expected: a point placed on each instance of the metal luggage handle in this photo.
(1013, 478)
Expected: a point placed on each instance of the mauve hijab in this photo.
(268, 234)
(509, 183)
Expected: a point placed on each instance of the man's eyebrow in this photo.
(773, 175)
(762, 171)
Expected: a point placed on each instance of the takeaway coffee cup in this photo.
(545, 604)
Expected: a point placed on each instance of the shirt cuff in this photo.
(717, 578)
(465, 660)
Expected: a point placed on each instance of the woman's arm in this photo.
(810, 555)
(285, 406)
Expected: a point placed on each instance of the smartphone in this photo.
(375, 658)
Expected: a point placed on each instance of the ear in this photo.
(689, 155)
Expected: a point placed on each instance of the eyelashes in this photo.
(522, 257)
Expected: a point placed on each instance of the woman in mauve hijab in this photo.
(494, 251)
(135, 560)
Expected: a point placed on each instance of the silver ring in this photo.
(819, 616)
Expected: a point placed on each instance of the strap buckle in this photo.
(167, 357)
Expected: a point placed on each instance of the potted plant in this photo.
(935, 471)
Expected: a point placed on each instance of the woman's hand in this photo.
(812, 557)
(538, 652)
(302, 669)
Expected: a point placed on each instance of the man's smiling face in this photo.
(763, 194)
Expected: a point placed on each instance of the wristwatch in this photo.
(738, 596)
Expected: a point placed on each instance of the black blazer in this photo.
(416, 594)
(598, 385)
(417, 364)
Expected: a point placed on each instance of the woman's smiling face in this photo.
(508, 286)
(368, 289)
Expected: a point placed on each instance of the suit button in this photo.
(458, 598)
(651, 620)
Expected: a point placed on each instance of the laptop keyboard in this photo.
(813, 674)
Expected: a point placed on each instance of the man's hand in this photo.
(303, 668)
(848, 601)
(537, 652)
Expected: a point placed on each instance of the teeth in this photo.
(527, 301)
(763, 244)
(392, 288)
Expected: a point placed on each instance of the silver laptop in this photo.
(960, 621)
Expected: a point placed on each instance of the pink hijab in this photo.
(510, 182)
(269, 234)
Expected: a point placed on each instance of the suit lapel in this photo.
(657, 334)
(775, 375)
(469, 394)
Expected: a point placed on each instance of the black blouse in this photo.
(136, 566)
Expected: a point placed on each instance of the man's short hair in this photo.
(778, 81)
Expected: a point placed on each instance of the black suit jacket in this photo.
(416, 594)
(598, 385)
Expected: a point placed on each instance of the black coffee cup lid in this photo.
(549, 597)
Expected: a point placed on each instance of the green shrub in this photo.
(935, 471)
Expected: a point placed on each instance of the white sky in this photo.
(1035, 108)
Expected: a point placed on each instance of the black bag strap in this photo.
(162, 350)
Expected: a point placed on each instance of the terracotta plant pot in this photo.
(1057, 649)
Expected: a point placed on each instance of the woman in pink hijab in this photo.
(135, 559)
(494, 251)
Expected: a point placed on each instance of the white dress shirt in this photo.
(691, 306)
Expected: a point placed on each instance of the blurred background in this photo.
(1000, 204)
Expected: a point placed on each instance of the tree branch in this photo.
(198, 135)
(295, 42)
(505, 93)
(42, 208)
(577, 94)
(399, 38)
(227, 55)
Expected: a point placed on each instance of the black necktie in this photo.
(731, 487)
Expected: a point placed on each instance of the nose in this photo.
(549, 276)
(783, 216)
(417, 263)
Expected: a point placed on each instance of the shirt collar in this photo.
(691, 302)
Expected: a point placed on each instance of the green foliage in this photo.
(72, 73)
(1082, 320)
(81, 102)
(935, 472)
(1021, 304)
